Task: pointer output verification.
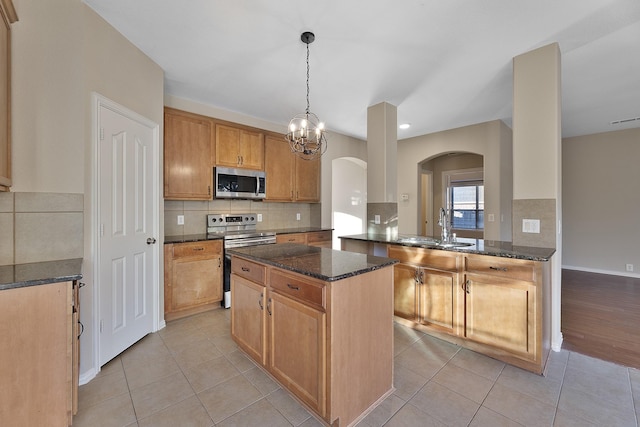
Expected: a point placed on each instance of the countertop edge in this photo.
(16, 276)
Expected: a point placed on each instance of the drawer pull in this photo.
(498, 268)
(260, 301)
(246, 269)
(290, 286)
(198, 249)
(269, 306)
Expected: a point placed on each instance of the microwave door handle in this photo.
(257, 185)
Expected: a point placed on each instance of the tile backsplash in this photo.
(274, 215)
(40, 227)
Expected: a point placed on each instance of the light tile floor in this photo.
(192, 374)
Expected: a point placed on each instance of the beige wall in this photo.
(601, 202)
(62, 52)
(492, 140)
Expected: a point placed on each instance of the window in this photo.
(465, 198)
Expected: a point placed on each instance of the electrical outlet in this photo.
(376, 219)
(491, 218)
(629, 267)
(298, 217)
(180, 219)
(531, 226)
(259, 217)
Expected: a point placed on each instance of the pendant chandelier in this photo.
(307, 134)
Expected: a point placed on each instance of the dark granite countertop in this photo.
(39, 273)
(479, 246)
(203, 236)
(325, 264)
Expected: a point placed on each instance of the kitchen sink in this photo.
(428, 241)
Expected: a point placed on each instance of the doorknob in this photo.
(151, 241)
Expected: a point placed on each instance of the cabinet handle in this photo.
(422, 277)
(290, 286)
(239, 161)
(81, 329)
(466, 286)
(219, 262)
(198, 249)
(415, 276)
(498, 268)
(260, 301)
(209, 190)
(269, 306)
(246, 269)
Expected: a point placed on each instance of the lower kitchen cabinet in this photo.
(296, 348)
(328, 343)
(38, 351)
(426, 288)
(192, 277)
(248, 317)
(321, 239)
(493, 305)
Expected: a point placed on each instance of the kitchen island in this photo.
(320, 322)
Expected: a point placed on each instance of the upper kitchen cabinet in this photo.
(8, 15)
(237, 147)
(289, 178)
(188, 155)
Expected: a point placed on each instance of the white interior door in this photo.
(127, 220)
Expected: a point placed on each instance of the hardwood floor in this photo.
(601, 316)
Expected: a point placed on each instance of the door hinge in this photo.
(101, 134)
(101, 325)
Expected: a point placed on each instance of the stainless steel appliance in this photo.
(237, 230)
(233, 183)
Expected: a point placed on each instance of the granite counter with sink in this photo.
(471, 246)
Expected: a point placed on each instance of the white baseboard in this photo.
(87, 376)
(599, 271)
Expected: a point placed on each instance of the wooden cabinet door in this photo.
(307, 180)
(437, 299)
(188, 172)
(239, 148)
(196, 282)
(251, 149)
(279, 166)
(297, 350)
(501, 312)
(248, 317)
(404, 290)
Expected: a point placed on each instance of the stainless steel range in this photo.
(237, 230)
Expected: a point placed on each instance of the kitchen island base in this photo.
(328, 342)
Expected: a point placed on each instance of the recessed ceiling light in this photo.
(405, 126)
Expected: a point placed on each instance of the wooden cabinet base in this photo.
(191, 311)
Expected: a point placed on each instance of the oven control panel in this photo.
(232, 220)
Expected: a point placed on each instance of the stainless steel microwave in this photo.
(234, 183)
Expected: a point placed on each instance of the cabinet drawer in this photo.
(299, 289)
(318, 236)
(197, 249)
(249, 270)
(437, 259)
(291, 238)
(496, 266)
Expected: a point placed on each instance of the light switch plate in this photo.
(376, 219)
(491, 218)
(531, 226)
(297, 217)
(259, 217)
(180, 219)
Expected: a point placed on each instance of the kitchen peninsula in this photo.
(320, 322)
(489, 296)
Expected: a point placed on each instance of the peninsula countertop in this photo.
(478, 246)
(182, 238)
(39, 273)
(322, 263)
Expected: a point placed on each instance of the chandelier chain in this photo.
(308, 78)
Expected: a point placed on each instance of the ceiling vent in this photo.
(618, 122)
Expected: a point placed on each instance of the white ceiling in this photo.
(443, 63)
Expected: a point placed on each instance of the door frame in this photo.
(97, 102)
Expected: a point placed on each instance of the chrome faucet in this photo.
(446, 225)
